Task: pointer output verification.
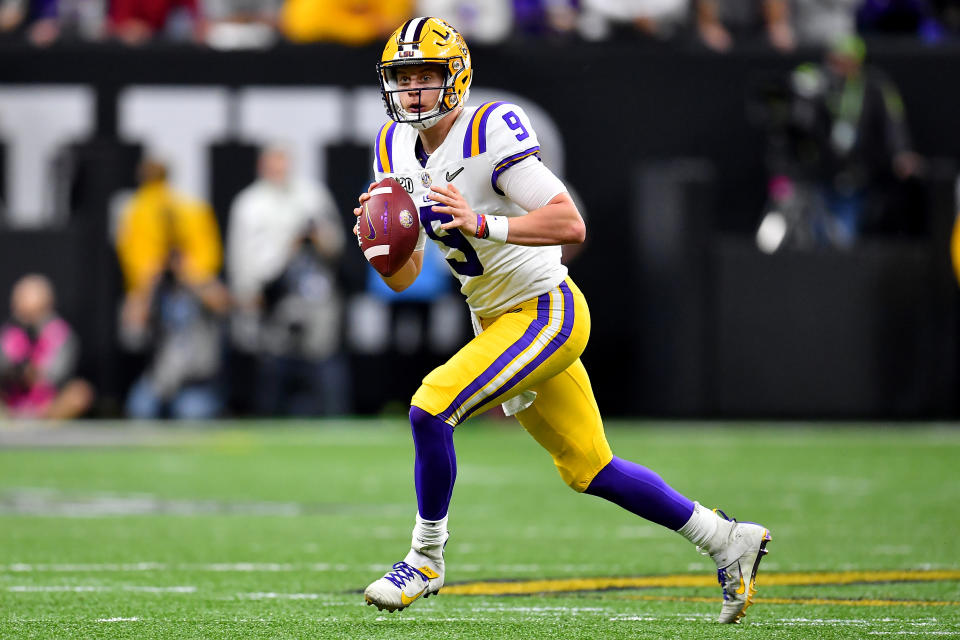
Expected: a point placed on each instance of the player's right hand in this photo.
(359, 210)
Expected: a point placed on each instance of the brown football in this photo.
(389, 227)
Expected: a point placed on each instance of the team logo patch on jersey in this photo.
(406, 219)
(426, 180)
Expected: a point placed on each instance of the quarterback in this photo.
(499, 216)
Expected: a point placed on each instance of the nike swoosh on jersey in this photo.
(406, 601)
(451, 176)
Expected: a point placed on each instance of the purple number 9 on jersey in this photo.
(514, 123)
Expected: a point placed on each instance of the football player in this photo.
(500, 216)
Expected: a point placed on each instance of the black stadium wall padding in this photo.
(707, 327)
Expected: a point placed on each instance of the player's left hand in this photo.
(453, 203)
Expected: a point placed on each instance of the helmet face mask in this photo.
(423, 41)
(393, 100)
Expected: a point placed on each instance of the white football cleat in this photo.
(737, 563)
(415, 576)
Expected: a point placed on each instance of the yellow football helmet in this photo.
(425, 41)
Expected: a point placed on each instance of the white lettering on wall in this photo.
(304, 120)
(177, 124)
(35, 123)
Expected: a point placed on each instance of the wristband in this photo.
(483, 231)
(498, 228)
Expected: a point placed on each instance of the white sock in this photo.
(706, 529)
(429, 535)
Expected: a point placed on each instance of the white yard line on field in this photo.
(85, 588)
(54, 588)
(925, 634)
(270, 595)
(118, 619)
(270, 567)
(21, 567)
(179, 589)
(51, 502)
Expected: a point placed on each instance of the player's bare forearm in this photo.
(407, 273)
(559, 222)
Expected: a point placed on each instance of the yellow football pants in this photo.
(535, 346)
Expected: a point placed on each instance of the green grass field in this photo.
(273, 529)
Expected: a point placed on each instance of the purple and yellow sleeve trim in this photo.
(509, 161)
(384, 148)
(475, 140)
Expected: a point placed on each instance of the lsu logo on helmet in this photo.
(425, 41)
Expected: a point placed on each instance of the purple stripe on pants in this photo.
(555, 343)
(491, 372)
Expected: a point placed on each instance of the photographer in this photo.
(169, 249)
(182, 334)
(283, 248)
(840, 159)
(38, 355)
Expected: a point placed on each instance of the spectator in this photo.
(157, 220)
(169, 250)
(821, 23)
(284, 244)
(183, 335)
(240, 24)
(656, 18)
(38, 354)
(899, 17)
(45, 21)
(24, 16)
(11, 15)
(548, 17)
(135, 22)
(948, 14)
(841, 158)
(351, 22)
(720, 22)
(483, 21)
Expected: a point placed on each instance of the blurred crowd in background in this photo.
(248, 321)
(279, 303)
(202, 305)
(239, 24)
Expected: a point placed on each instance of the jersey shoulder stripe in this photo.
(475, 140)
(384, 148)
(509, 161)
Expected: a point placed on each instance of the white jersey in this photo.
(484, 142)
